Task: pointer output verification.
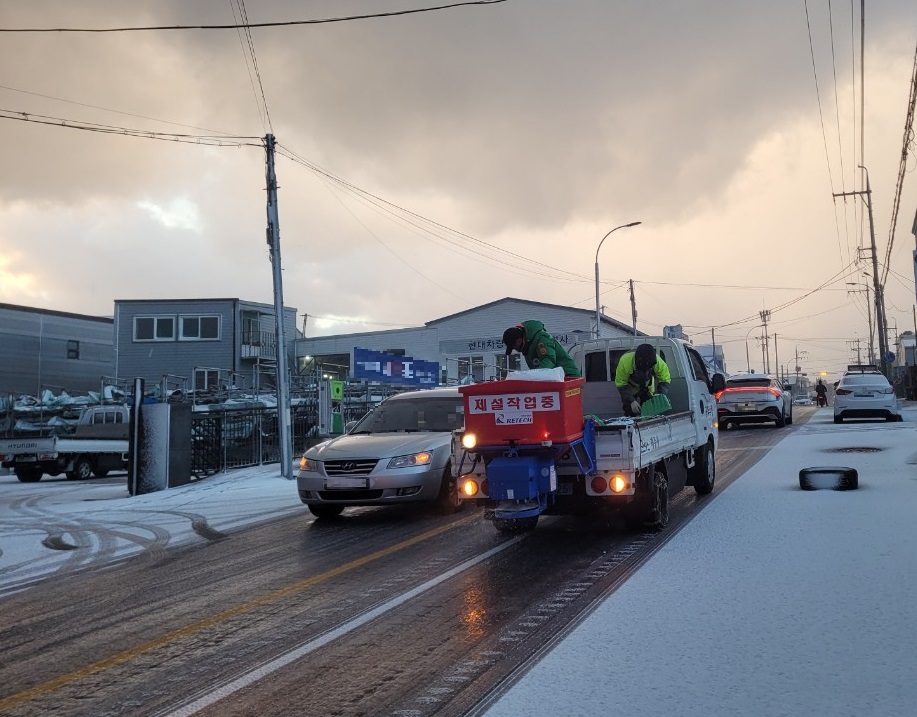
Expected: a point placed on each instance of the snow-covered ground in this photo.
(772, 601)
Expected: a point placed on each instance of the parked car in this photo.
(865, 395)
(753, 398)
(397, 453)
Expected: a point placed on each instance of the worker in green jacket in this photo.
(640, 375)
(540, 349)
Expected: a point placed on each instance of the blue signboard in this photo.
(389, 368)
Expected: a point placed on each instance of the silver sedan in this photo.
(397, 453)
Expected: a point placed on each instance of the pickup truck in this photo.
(98, 444)
(574, 451)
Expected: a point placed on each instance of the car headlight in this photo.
(310, 464)
(415, 459)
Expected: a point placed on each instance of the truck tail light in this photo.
(616, 484)
(469, 488)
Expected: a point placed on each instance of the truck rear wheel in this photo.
(31, 474)
(651, 512)
(703, 474)
(659, 512)
(82, 469)
(514, 526)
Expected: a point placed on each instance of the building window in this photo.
(154, 328)
(206, 379)
(505, 364)
(471, 367)
(199, 328)
(73, 349)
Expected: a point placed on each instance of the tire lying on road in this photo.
(828, 478)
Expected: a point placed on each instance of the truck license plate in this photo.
(331, 483)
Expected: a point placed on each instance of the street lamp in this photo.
(598, 316)
(747, 359)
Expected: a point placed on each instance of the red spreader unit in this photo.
(524, 412)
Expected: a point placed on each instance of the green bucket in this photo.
(655, 406)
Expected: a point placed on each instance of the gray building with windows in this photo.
(197, 344)
(468, 345)
(55, 350)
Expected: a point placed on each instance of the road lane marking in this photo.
(743, 448)
(278, 663)
(56, 683)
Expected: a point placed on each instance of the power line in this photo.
(236, 26)
(243, 14)
(108, 109)
(837, 114)
(220, 141)
(906, 146)
(839, 275)
(821, 119)
(413, 218)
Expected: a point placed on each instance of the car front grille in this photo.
(357, 467)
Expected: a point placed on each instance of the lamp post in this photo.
(598, 316)
(747, 359)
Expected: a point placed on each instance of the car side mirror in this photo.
(717, 383)
(348, 427)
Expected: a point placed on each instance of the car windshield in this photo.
(413, 414)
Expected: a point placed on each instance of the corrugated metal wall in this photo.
(48, 349)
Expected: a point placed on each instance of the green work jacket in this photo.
(541, 350)
(628, 384)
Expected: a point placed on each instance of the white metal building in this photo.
(467, 345)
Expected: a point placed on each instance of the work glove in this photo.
(635, 408)
(662, 388)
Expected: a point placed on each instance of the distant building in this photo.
(55, 350)
(200, 343)
(468, 345)
(714, 356)
(675, 332)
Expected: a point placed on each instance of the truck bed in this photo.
(627, 443)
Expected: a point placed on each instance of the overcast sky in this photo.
(508, 139)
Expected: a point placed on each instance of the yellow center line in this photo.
(127, 655)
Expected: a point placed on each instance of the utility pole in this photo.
(713, 340)
(777, 360)
(273, 241)
(878, 292)
(765, 315)
(633, 306)
(869, 312)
